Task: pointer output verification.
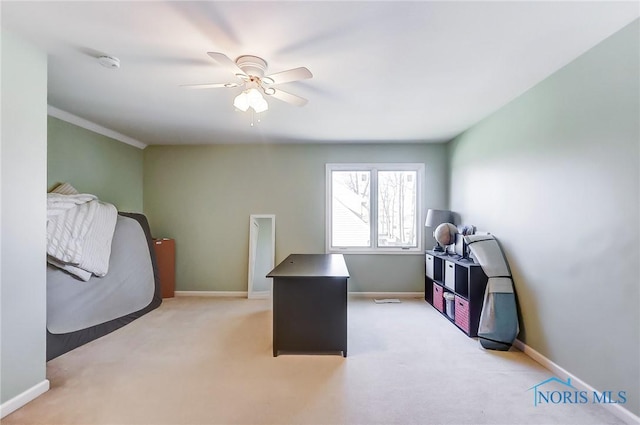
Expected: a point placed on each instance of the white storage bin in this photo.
(429, 262)
(450, 275)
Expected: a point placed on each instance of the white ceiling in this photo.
(383, 71)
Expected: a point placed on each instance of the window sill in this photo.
(350, 251)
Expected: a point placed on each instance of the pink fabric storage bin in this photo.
(438, 301)
(462, 313)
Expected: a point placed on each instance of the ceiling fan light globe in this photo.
(241, 101)
(260, 106)
(254, 96)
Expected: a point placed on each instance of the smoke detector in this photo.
(109, 62)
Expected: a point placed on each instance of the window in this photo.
(374, 208)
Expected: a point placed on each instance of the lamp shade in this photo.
(436, 217)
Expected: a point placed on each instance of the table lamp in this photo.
(435, 218)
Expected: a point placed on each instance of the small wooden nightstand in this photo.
(166, 258)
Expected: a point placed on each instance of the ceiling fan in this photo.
(250, 70)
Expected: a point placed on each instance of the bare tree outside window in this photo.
(397, 194)
(374, 207)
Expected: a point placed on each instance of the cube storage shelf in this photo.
(465, 279)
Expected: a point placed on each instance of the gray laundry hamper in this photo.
(498, 326)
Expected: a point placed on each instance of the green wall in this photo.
(203, 195)
(23, 235)
(554, 176)
(95, 164)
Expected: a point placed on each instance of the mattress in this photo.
(78, 312)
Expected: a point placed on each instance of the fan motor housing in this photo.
(252, 65)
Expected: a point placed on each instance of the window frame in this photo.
(374, 168)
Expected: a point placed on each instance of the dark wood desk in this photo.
(310, 304)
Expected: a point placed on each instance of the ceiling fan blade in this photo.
(295, 74)
(288, 97)
(226, 62)
(209, 86)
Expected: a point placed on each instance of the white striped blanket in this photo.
(79, 232)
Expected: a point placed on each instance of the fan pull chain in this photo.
(253, 113)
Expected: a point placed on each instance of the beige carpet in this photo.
(209, 361)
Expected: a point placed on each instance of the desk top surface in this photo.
(311, 265)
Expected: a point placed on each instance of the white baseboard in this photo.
(220, 294)
(261, 295)
(23, 398)
(616, 409)
(387, 294)
(243, 294)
